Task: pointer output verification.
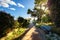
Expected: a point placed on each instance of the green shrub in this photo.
(16, 24)
(6, 21)
(22, 22)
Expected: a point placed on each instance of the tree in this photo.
(38, 3)
(16, 24)
(46, 18)
(20, 20)
(38, 8)
(36, 13)
(23, 22)
(39, 13)
(31, 12)
(6, 22)
(54, 7)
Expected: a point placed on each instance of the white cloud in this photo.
(5, 3)
(12, 3)
(20, 5)
(12, 9)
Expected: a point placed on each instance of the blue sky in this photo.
(17, 7)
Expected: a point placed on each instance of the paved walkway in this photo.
(34, 34)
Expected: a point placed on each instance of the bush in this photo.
(45, 18)
(6, 21)
(22, 22)
(25, 23)
(16, 24)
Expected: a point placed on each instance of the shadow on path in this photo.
(38, 35)
(34, 34)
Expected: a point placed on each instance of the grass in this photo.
(39, 24)
(14, 34)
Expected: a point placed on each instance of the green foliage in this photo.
(20, 19)
(39, 14)
(22, 22)
(45, 18)
(38, 8)
(6, 21)
(25, 23)
(40, 1)
(29, 11)
(36, 13)
(16, 24)
(38, 26)
(15, 33)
